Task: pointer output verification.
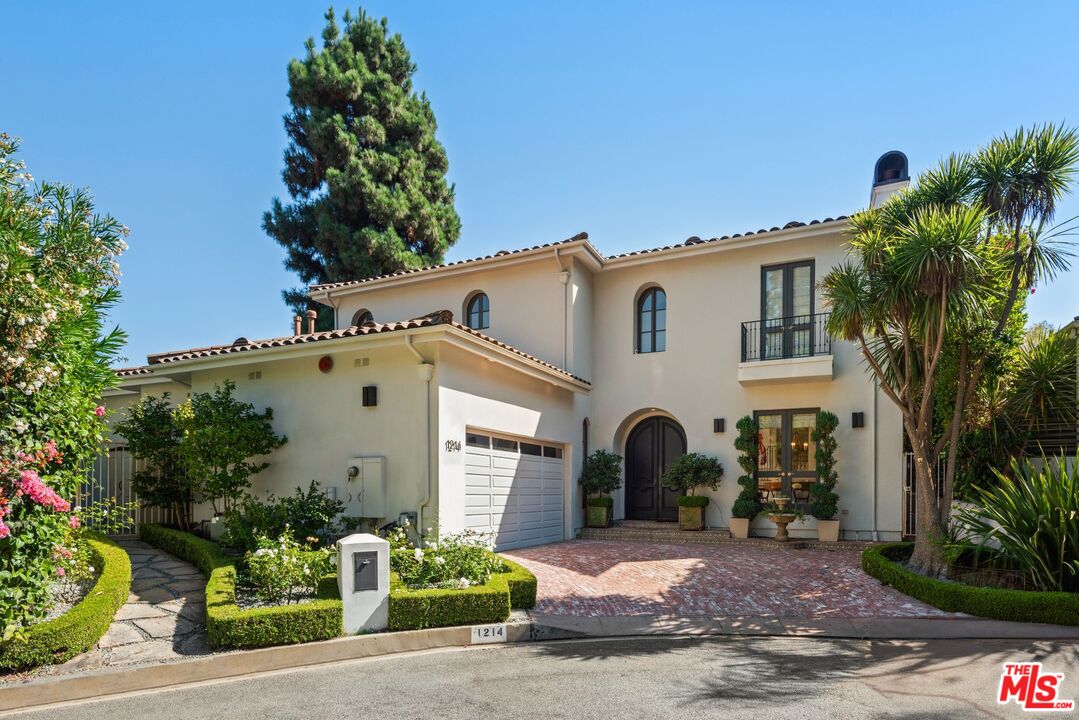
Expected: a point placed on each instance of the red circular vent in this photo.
(325, 363)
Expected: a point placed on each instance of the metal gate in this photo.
(910, 497)
(110, 478)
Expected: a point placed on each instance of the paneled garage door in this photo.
(513, 489)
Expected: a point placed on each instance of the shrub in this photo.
(604, 502)
(884, 563)
(690, 501)
(748, 504)
(602, 473)
(281, 571)
(230, 627)
(58, 278)
(692, 471)
(308, 514)
(415, 609)
(1029, 520)
(823, 498)
(153, 435)
(77, 630)
(220, 436)
(455, 561)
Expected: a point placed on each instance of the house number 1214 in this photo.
(453, 446)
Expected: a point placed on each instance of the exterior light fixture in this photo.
(857, 420)
(719, 425)
(370, 395)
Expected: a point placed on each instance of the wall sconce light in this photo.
(857, 420)
(719, 425)
(370, 395)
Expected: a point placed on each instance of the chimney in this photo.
(297, 324)
(890, 176)
(311, 317)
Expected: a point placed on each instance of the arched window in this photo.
(362, 317)
(478, 312)
(652, 321)
(891, 167)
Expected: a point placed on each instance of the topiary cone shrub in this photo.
(823, 499)
(748, 504)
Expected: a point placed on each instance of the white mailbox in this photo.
(367, 487)
(363, 579)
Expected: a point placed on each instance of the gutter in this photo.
(425, 371)
(563, 276)
(876, 460)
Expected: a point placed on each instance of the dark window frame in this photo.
(788, 269)
(651, 331)
(787, 476)
(362, 316)
(483, 312)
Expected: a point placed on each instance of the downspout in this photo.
(564, 277)
(425, 371)
(876, 460)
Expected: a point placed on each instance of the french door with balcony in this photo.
(786, 454)
(787, 326)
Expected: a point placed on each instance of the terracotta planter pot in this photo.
(690, 518)
(740, 528)
(598, 516)
(828, 530)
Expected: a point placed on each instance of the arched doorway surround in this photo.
(651, 446)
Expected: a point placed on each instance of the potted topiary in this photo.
(685, 475)
(823, 499)
(748, 504)
(601, 475)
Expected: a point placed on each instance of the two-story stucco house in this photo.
(469, 393)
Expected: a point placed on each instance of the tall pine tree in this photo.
(365, 172)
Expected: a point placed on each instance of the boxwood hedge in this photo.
(227, 625)
(1058, 608)
(321, 619)
(78, 629)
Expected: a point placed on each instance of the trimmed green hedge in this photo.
(522, 584)
(1057, 608)
(230, 627)
(605, 502)
(77, 630)
(692, 501)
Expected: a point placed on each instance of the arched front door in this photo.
(652, 446)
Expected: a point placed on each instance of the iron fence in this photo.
(783, 338)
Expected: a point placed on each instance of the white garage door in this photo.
(513, 489)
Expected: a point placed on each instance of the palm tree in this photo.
(939, 269)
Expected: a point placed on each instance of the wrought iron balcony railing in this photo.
(782, 338)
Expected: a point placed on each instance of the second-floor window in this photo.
(478, 312)
(652, 321)
(362, 317)
(787, 310)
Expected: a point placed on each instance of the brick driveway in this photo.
(592, 578)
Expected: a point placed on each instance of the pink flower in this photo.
(99, 411)
(74, 521)
(31, 485)
(61, 572)
(4, 530)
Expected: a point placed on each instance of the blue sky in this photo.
(641, 123)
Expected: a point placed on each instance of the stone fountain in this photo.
(782, 518)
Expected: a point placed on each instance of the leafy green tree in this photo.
(748, 504)
(602, 473)
(58, 279)
(823, 498)
(221, 435)
(692, 471)
(152, 430)
(366, 174)
(924, 276)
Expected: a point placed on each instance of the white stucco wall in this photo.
(695, 379)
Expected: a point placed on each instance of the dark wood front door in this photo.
(652, 446)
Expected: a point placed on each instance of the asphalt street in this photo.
(725, 677)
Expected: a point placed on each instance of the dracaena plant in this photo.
(938, 269)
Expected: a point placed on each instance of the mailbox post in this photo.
(363, 578)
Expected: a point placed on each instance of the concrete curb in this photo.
(560, 627)
(115, 680)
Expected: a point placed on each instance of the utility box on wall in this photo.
(367, 486)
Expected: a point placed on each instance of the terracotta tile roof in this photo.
(441, 317)
(133, 371)
(698, 241)
(578, 237)
(332, 286)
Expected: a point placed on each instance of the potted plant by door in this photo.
(600, 476)
(748, 504)
(822, 495)
(685, 475)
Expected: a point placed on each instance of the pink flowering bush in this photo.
(58, 278)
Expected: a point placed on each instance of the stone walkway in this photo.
(164, 617)
(589, 578)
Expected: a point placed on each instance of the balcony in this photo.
(790, 349)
